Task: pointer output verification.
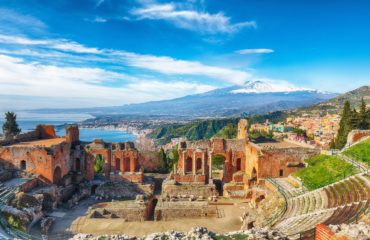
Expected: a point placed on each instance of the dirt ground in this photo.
(229, 221)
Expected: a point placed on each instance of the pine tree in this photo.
(10, 126)
(344, 126)
(363, 120)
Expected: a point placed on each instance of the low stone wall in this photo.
(136, 177)
(129, 211)
(196, 190)
(193, 179)
(182, 209)
(356, 135)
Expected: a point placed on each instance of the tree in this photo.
(98, 164)
(172, 157)
(10, 126)
(344, 126)
(163, 165)
(363, 121)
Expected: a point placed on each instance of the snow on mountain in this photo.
(266, 86)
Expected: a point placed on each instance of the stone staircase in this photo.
(337, 203)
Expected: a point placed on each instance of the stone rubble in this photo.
(359, 231)
(196, 233)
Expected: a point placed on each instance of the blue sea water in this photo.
(28, 122)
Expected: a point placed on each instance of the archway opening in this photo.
(253, 180)
(118, 164)
(57, 176)
(218, 166)
(78, 165)
(238, 164)
(189, 165)
(126, 164)
(23, 165)
(199, 165)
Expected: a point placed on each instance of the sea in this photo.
(28, 121)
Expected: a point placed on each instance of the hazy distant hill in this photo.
(335, 104)
(255, 97)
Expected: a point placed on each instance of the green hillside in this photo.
(335, 105)
(323, 170)
(360, 152)
(197, 130)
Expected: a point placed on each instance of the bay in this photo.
(28, 121)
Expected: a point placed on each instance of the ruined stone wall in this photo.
(38, 160)
(72, 134)
(129, 211)
(275, 162)
(283, 162)
(179, 210)
(41, 132)
(187, 190)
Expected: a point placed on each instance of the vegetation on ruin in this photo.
(15, 222)
(163, 164)
(323, 170)
(360, 152)
(350, 120)
(98, 164)
(260, 136)
(10, 126)
(227, 132)
(231, 237)
(218, 162)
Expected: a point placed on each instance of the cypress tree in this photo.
(344, 126)
(10, 126)
(363, 116)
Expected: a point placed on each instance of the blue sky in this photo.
(82, 53)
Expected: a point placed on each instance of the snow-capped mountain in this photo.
(265, 86)
(251, 98)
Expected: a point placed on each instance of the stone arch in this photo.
(57, 175)
(23, 165)
(188, 165)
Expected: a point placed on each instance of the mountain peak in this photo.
(264, 86)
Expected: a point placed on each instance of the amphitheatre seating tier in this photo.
(334, 204)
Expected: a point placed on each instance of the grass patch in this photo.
(232, 237)
(323, 170)
(360, 152)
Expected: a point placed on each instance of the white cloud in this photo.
(255, 51)
(190, 19)
(85, 87)
(59, 44)
(171, 66)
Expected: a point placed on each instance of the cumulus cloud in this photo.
(190, 19)
(255, 51)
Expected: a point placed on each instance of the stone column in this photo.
(203, 163)
(183, 162)
(210, 164)
(194, 167)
